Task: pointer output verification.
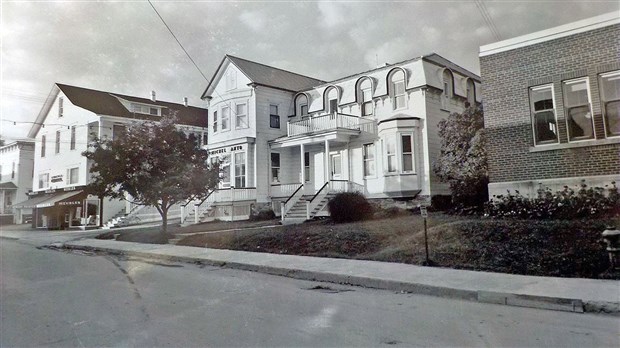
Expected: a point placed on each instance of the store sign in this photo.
(56, 178)
(226, 150)
(71, 203)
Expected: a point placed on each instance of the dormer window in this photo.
(397, 90)
(301, 102)
(365, 97)
(145, 109)
(448, 87)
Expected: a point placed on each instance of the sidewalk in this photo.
(565, 294)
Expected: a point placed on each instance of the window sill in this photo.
(582, 143)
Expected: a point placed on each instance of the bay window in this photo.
(610, 101)
(240, 169)
(390, 151)
(214, 121)
(225, 170)
(407, 152)
(225, 118)
(577, 105)
(241, 116)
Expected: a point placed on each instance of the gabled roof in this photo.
(266, 75)
(108, 103)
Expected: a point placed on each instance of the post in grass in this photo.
(424, 213)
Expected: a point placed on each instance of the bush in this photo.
(565, 204)
(263, 215)
(349, 206)
(441, 202)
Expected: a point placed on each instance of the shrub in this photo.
(349, 206)
(441, 202)
(565, 204)
(263, 215)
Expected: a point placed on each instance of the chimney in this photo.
(153, 96)
(185, 101)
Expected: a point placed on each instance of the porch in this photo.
(332, 122)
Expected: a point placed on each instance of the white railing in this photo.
(283, 190)
(291, 201)
(346, 186)
(331, 122)
(317, 198)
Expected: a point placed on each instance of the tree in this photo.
(463, 160)
(153, 162)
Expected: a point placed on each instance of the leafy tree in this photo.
(463, 159)
(153, 162)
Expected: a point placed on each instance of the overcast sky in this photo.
(123, 47)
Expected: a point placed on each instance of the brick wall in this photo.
(507, 77)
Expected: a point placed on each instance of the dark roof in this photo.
(106, 103)
(8, 186)
(437, 59)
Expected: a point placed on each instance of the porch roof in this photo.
(8, 186)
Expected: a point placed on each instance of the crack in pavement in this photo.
(133, 286)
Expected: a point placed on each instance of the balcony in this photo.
(331, 122)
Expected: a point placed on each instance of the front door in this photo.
(336, 166)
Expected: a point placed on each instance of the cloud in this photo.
(254, 20)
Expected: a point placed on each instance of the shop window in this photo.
(543, 115)
(240, 169)
(274, 117)
(610, 101)
(577, 106)
(241, 116)
(73, 176)
(369, 159)
(72, 144)
(275, 167)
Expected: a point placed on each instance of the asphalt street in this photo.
(73, 299)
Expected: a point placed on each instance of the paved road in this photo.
(62, 299)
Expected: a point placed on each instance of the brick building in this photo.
(552, 105)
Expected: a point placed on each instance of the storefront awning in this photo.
(32, 202)
(71, 198)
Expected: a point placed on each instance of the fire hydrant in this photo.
(611, 236)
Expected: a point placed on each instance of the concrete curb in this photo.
(504, 298)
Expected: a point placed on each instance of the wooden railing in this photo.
(283, 190)
(346, 186)
(330, 122)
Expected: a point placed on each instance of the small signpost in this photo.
(424, 213)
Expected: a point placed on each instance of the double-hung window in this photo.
(241, 116)
(43, 141)
(400, 99)
(369, 159)
(57, 148)
(610, 101)
(543, 115)
(274, 117)
(303, 109)
(73, 176)
(307, 166)
(367, 102)
(275, 167)
(225, 118)
(44, 180)
(225, 170)
(577, 106)
(214, 121)
(407, 152)
(72, 137)
(390, 151)
(240, 169)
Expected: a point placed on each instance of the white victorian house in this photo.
(290, 141)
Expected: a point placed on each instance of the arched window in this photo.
(364, 97)
(331, 100)
(471, 92)
(397, 89)
(301, 105)
(448, 85)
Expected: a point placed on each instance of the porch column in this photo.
(301, 155)
(328, 164)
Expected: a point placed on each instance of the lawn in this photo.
(545, 248)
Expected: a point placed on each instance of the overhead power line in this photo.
(487, 18)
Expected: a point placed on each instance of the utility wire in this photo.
(487, 18)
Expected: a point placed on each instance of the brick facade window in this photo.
(577, 107)
(610, 101)
(543, 115)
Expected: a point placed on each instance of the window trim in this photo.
(77, 180)
(365, 159)
(565, 83)
(387, 154)
(247, 123)
(271, 167)
(274, 116)
(604, 101)
(46, 184)
(402, 153)
(222, 118)
(396, 96)
(307, 166)
(533, 114)
(235, 164)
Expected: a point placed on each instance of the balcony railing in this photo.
(283, 190)
(331, 122)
